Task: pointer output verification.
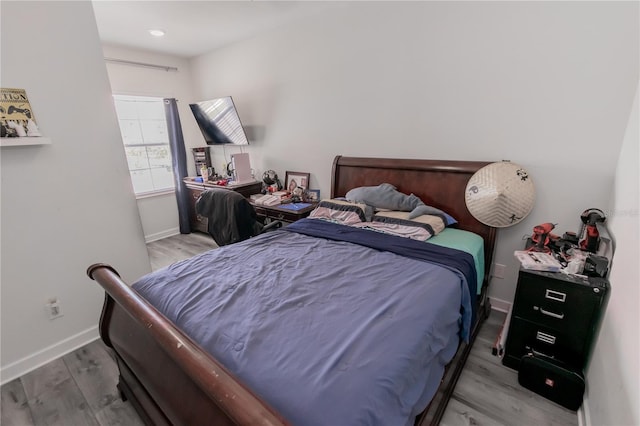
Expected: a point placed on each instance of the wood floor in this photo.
(178, 247)
(488, 393)
(80, 388)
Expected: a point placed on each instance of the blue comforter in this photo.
(328, 331)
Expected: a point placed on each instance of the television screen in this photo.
(219, 122)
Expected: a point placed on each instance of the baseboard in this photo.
(581, 416)
(161, 235)
(584, 418)
(29, 363)
(500, 305)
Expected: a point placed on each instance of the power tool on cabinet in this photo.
(540, 237)
(589, 232)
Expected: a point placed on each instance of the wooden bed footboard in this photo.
(169, 378)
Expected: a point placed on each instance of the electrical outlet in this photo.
(499, 270)
(53, 309)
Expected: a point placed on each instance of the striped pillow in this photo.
(431, 223)
(339, 211)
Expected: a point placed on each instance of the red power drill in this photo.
(540, 237)
(590, 219)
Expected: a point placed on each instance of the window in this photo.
(146, 142)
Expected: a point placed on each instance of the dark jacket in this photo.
(231, 218)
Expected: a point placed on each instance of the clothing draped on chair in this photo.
(178, 162)
(230, 217)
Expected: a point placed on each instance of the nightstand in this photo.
(276, 212)
(556, 315)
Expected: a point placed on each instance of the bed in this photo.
(174, 370)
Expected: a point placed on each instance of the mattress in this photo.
(465, 241)
(321, 322)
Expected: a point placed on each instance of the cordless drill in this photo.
(540, 237)
(590, 219)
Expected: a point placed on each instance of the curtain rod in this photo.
(140, 64)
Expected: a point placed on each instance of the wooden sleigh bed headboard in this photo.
(438, 183)
(170, 379)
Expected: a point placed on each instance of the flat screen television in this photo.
(219, 122)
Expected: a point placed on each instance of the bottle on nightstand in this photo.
(204, 172)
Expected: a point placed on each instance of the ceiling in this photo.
(194, 27)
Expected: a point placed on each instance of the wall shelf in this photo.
(25, 141)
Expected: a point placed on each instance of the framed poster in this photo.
(15, 112)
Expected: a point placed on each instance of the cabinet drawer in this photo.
(200, 224)
(526, 336)
(197, 222)
(557, 304)
(281, 215)
(287, 217)
(195, 193)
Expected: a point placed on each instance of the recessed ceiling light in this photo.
(156, 33)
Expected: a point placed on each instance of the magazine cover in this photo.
(14, 106)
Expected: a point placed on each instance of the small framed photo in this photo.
(293, 180)
(313, 195)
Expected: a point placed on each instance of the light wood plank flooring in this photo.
(488, 393)
(178, 247)
(80, 387)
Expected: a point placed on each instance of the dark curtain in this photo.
(179, 162)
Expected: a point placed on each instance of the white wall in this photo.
(159, 213)
(65, 205)
(548, 85)
(614, 370)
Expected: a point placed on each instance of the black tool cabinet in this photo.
(556, 315)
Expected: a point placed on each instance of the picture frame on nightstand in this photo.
(293, 180)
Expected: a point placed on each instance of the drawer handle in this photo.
(555, 295)
(551, 314)
(546, 338)
(534, 352)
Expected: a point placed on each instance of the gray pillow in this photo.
(384, 196)
(424, 209)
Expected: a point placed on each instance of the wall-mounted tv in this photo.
(219, 122)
